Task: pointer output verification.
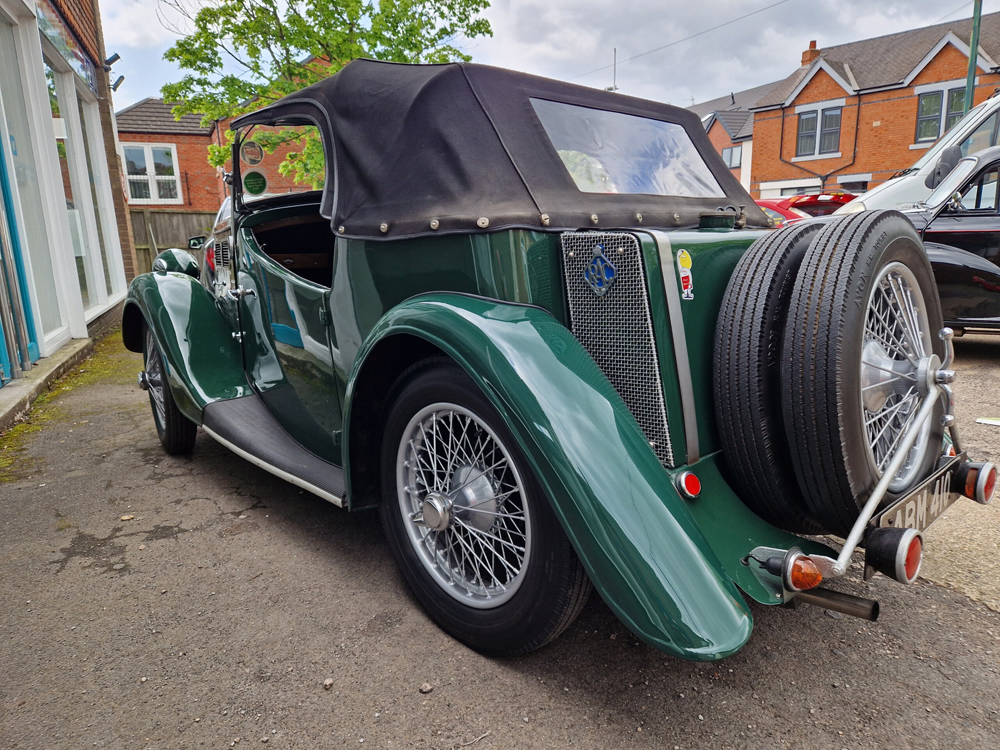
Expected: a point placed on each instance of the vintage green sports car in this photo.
(547, 334)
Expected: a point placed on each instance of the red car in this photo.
(794, 208)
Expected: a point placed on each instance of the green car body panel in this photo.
(203, 362)
(670, 568)
(639, 543)
(666, 566)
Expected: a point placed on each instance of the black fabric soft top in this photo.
(424, 149)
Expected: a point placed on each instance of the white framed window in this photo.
(937, 111)
(733, 156)
(152, 173)
(818, 130)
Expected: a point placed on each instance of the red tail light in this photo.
(689, 484)
(896, 553)
(977, 481)
(914, 556)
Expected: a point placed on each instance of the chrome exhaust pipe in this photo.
(848, 604)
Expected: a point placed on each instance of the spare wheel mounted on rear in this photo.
(747, 371)
(861, 333)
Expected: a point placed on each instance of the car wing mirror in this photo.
(196, 243)
(955, 203)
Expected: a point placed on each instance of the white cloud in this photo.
(567, 38)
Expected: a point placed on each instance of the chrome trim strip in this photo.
(339, 502)
(670, 286)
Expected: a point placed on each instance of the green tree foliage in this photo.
(240, 55)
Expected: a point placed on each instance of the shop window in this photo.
(152, 173)
(733, 156)
(937, 111)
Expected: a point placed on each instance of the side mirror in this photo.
(196, 243)
(955, 203)
(949, 158)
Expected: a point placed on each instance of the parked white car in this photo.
(974, 132)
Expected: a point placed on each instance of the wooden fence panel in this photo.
(169, 229)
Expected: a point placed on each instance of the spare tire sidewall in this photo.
(907, 249)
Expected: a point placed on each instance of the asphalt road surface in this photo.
(157, 602)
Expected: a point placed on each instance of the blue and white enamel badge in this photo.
(600, 272)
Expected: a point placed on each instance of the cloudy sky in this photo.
(568, 39)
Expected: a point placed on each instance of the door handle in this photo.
(240, 292)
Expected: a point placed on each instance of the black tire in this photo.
(553, 587)
(825, 336)
(177, 433)
(747, 369)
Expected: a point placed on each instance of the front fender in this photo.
(639, 543)
(969, 286)
(203, 361)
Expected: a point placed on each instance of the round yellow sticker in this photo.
(684, 259)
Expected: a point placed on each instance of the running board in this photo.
(246, 427)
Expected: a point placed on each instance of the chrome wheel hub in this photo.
(474, 497)
(436, 511)
(897, 368)
(463, 505)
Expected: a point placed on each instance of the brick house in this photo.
(729, 124)
(852, 115)
(166, 160)
(67, 251)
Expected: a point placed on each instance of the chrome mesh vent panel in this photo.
(616, 329)
(221, 253)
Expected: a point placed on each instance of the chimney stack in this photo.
(810, 54)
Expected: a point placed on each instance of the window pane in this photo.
(163, 161)
(988, 191)
(929, 105)
(737, 156)
(806, 145)
(927, 130)
(166, 189)
(135, 160)
(138, 189)
(829, 141)
(981, 138)
(611, 152)
(95, 178)
(956, 102)
(34, 237)
(807, 134)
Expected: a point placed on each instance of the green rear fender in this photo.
(633, 532)
(203, 360)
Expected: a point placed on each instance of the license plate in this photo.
(924, 505)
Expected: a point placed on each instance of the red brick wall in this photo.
(200, 183)
(720, 139)
(886, 127)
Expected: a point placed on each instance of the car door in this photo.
(975, 224)
(284, 315)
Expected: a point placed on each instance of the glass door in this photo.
(20, 193)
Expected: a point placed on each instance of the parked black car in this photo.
(960, 226)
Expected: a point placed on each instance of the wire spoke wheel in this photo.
(177, 433)
(897, 339)
(155, 380)
(463, 505)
